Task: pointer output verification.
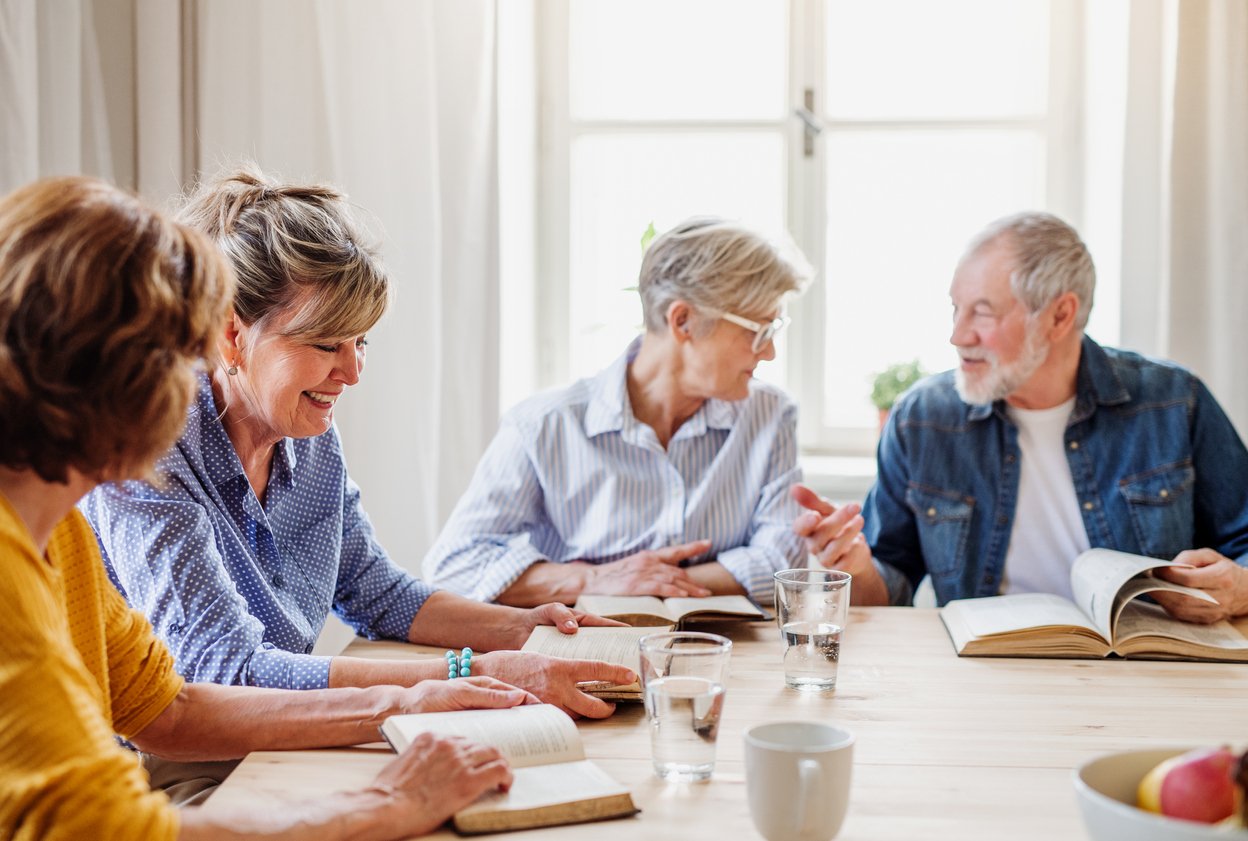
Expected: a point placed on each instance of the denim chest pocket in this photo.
(943, 519)
(1162, 509)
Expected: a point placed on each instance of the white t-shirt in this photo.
(1048, 532)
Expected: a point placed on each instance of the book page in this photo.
(1096, 578)
(1140, 586)
(613, 645)
(548, 785)
(537, 734)
(713, 604)
(1017, 612)
(1140, 619)
(624, 606)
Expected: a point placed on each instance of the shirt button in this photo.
(931, 512)
(278, 581)
(1009, 459)
(1074, 445)
(1164, 493)
(1002, 519)
(1088, 506)
(307, 649)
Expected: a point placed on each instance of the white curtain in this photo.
(392, 100)
(1185, 220)
(53, 112)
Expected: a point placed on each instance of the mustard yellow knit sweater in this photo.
(76, 666)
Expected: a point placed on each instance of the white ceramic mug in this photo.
(798, 774)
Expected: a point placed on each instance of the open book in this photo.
(651, 610)
(554, 782)
(1105, 618)
(613, 645)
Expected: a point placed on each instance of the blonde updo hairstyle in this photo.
(292, 245)
(106, 308)
(717, 266)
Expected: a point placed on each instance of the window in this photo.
(878, 136)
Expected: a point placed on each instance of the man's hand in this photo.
(1217, 575)
(436, 777)
(651, 572)
(470, 693)
(554, 680)
(834, 536)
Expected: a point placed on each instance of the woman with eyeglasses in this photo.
(666, 474)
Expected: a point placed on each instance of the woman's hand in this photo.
(485, 692)
(1214, 573)
(565, 618)
(436, 777)
(553, 680)
(651, 572)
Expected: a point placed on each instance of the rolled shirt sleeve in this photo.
(487, 542)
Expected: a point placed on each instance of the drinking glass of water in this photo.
(683, 676)
(811, 607)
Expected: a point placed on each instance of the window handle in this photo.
(812, 126)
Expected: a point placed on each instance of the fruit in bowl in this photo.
(1201, 785)
(1108, 786)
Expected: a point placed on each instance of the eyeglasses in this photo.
(763, 333)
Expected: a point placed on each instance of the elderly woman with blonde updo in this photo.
(254, 531)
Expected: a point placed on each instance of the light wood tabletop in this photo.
(946, 747)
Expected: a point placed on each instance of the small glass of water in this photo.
(811, 608)
(683, 676)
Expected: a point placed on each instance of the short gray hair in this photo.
(717, 266)
(1050, 258)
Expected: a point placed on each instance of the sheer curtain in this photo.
(1185, 193)
(53, 108)
(392, 100)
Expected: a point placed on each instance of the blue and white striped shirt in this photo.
(239, 590)
(573, 475)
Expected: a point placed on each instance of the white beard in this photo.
(999, 380)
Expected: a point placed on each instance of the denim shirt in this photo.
(1157, 466)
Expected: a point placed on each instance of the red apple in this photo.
(1196, 786)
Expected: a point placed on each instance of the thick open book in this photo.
(1105, 618)
(554, 782)
(612, 645)
(651, 610)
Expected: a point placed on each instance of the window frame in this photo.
(806, 185)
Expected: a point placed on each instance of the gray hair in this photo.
(1050, 258)
(292, 245)
(717, 266)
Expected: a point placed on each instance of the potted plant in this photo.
(888, 385)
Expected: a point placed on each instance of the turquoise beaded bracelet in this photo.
(460, 666)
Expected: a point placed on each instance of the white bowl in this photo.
(1106, 787)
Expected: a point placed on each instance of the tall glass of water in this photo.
(811, 607)
(683, 676)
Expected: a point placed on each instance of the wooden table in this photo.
(946, 747)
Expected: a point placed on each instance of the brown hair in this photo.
(106, 306)
(292, 245)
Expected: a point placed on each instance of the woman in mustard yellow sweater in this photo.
(105, 309)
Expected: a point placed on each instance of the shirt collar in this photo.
(609, 409)
(1096, 384)
(206, 431)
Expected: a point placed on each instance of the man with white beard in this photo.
(1041, 444)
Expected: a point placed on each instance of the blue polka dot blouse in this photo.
(240, 590)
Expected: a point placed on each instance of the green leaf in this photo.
(647, 236)
(888, 385)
